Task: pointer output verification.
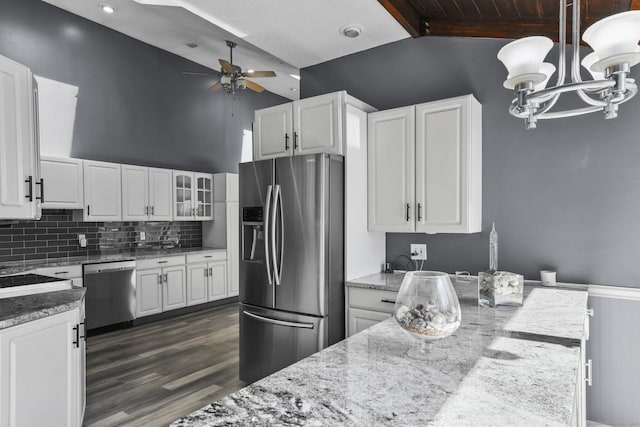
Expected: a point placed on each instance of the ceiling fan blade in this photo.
(226, 66)
(190, 73)
(254, 86)
(215, 86)
(259, 74)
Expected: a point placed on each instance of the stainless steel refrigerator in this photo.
(291, 261)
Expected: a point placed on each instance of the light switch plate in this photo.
(143, 235)
(419, 251)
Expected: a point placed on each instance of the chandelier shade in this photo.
(615, 43)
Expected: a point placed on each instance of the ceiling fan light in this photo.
(225, 80)
(614, 35)
(241, 83)
(588, 61)
(525, 56)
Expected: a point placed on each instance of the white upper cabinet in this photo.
(146, 194)
(273, 132)
(391, 169)
(317, 124)
(135, 193)
(310, 125)
(102, 191)
(160, 191)
(64, 186)
(425, 168)
(193, 196)
(20, 184)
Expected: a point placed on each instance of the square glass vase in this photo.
(500, 288)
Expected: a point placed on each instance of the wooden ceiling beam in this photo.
(635, 4)
(406, 15)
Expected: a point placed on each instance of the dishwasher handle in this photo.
(109, 267)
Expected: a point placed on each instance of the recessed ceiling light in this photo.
(295, 76)
(192, 45)
(293, 89)
(107, 8)
(351, 31)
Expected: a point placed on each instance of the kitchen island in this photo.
(505, 366)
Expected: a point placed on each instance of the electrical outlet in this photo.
(143, 235)
(82, 240)
(419, 251)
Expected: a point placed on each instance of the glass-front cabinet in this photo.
(204, 196)
(193, 195)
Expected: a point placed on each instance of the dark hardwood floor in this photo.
(152, 374)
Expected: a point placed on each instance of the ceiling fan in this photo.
(232, 78)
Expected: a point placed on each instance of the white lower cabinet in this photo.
(366, 307)
(148, 292)
(41, 372)
(206, 277)
(174, 288)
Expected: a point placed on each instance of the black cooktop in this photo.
(25, 279)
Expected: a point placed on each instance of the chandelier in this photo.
(614, 40)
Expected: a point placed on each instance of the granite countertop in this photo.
(494, 375)
(17, 310)
(13, 268)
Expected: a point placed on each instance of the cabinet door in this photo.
(64, 186)
(317, 124)
(174, 290)
(359, 319)
(82, 369)
(39, 369)
(217, 280)
(135, 193)
(197, 278)
(273, 134)
(442, 166)
(204, 196)
(18, 149)
(233, 249)
(183, 185)
(102, 191)
(160, 192)
(148, 292)
(391, 170)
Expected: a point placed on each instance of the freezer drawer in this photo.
(271, 340)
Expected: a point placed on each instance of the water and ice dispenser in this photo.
(253, 234)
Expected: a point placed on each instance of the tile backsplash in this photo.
(55, 235)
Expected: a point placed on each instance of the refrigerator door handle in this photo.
(279, 322)
(277, 202)
(266, 234)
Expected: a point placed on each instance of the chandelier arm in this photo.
(568, 113)
(571, 87)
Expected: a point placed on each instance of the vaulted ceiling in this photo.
(495, 18)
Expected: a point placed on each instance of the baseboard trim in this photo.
(616, 292)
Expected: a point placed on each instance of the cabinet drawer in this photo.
(372, 299)
(65, 272)
(206, 256)
(145, 264)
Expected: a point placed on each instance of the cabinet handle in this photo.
(162, 262)
(210, 271)
(408, 207)
(41, 184)
(76, 340)
(61, 272)
(152, 210)
(206, 272)
(88, 210)
(419, 212)
(160, 279)
(166, 278)
(295, 140)
(146, 210)
(286, 142)
(208, 256)
(388, 301)
(29, 181)
(588, 366)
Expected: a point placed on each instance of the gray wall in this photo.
(134, 105)
(563, 196)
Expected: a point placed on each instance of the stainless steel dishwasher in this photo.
(111, 293)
